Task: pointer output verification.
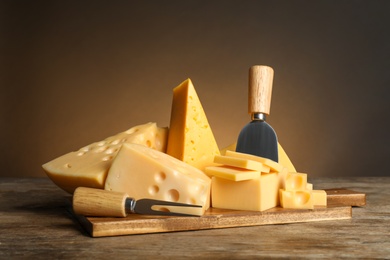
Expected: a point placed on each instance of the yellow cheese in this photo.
(296, 199)
(319, 197)
(309, 186)
(231, 173)
(142, 172)
(254, 195)
(275, 167)
(295, 181)
(190, 136)
(283, 157)
(88, 167)
(241, 163)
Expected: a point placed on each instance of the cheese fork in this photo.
(104, 203)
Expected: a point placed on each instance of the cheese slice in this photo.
(142, 172)
(275, 167)
(88, 167)
(241, 163)
(190, 136)
(283, 157)
(231, 173)
(257, 194)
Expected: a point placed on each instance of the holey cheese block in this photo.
(190, 136)
(142, 172)
(88, 167)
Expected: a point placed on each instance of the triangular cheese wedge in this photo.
(190, 136)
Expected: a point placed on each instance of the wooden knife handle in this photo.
(260, 89)
(99, 203)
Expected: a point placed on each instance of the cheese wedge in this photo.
(190, 136)
(283, 157)
(88, 167)
(142, 172)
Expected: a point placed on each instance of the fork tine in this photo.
(144, 206)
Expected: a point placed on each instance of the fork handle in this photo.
(99, 203)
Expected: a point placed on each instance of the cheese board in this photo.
(339, 201)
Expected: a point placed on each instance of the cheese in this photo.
(255, 195)
(142, 172)
(231, 173)
(283, 157)
(275, 167)
(295, 181)
(88, 167)
(190, 136)
(296, 199)
(241, 163)
(319, 197)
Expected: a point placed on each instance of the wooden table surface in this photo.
(35, 223)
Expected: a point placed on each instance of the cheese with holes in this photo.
(231, 173)
(275, 167)
(190, 136)
(283, 157)
(88, 167)
(296, 199)
(295, 181)
(257, 194)
(142, 172)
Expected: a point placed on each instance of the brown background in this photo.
(73, 73)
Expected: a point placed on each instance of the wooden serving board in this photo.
(340, 202)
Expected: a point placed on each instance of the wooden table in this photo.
(35, 223)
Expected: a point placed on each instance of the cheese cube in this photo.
(142, 172)
(258, 194)
(275, 167)
(241, 163)
(190, 136)
(231, 173)
(88, 167)
(296, 199)
(319, 197)
(295, 181)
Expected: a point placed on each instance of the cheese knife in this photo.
(104, 203)
(258, 137)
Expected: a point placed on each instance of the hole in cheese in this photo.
(68, 165)
(301, 198)
(173, 195)
(148, 143)
(153, 190)
(160, 176)
(107, 158)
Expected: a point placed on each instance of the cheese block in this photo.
(257, 194)
(241, 163)
(296, 199)
(283, 157)
(190, 136)
(88, 167)
(231, 173)
(319, 197)
(275, 167)
(142, 172)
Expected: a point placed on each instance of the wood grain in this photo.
(35, 224)
(219, 218)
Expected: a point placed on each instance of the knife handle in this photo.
(260, 89)
(99, 203)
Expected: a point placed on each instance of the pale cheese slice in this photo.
(231, 173)
(142, 172)
(241, 163)
(275, 167)
(283, 157)
(88, 167)
(190, 136)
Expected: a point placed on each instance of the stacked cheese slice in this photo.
(245, 182)
(296, 193)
